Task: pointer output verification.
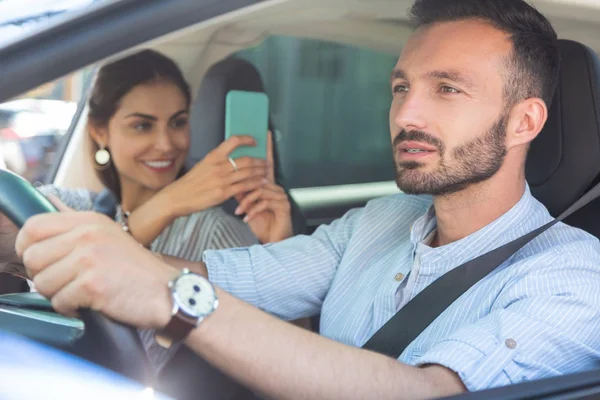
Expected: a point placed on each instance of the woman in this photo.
(140, 136)
(138, 123)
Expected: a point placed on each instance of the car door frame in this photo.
(116, 27)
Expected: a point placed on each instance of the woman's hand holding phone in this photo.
(267, 209)
(215, 179)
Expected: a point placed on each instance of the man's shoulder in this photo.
(385, 213)
(562, 246)
(400, 203)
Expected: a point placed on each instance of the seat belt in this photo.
(412, 319)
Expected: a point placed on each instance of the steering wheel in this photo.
(104, 342)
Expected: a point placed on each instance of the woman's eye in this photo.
(143, 126)
(180, 123)
(449, 89)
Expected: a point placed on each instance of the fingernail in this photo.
(246, 219)
(238, 210)
(265, 181)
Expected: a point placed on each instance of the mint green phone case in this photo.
(247, 113)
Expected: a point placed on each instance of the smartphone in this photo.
(247, 113)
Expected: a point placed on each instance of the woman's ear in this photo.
(98, 135)
(526, 121)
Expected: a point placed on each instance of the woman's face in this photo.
(149, 135)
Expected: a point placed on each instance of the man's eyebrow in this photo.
(145, 116)
(453, 76)
(397, 74)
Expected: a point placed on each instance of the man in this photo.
(471, 90)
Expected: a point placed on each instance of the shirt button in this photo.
(399, 277)
(511, 344)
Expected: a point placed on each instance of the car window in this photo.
(33, 125)
(330, 104)
(19, 18)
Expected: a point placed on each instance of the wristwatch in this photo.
(194, 299)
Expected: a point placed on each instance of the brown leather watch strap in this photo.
(176, 330)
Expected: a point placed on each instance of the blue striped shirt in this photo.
(535, 316)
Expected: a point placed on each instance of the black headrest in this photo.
(208, 111)
(564, 160)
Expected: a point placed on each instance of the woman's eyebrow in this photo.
(179, 113)
(140, 115)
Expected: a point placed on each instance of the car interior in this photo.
(243, 50)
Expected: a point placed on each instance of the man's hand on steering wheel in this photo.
(85, 260)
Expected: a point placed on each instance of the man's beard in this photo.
(471, 163)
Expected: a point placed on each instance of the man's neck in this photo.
(461, 214)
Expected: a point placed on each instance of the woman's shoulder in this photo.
(80, 199)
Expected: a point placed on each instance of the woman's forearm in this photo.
(150, 219)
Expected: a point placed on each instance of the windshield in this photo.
(20, 18)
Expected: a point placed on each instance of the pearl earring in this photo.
(102, 157)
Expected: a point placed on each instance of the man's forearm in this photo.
(285, 362)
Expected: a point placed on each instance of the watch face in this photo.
(194, 295)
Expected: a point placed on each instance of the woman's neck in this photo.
(133, 196)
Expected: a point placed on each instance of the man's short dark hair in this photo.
(532, 71)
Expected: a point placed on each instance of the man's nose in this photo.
(409, 112)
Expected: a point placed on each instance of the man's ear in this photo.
(98, 135)
(525, 122)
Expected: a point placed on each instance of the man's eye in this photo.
(400, 89)
(449, 89)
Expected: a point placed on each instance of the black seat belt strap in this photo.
(412, 319)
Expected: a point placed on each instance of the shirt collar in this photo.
(525, 216)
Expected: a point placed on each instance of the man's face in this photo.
(448, 118)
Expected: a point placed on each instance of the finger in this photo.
(256, 209)
(57, 275)
(247, 162)
(54, 277)
(273, 187)
(247, 201)
(44, 253)
(272, 192)
(244, 174)
(270, 157)
(58, 203)
(248, 185)
(225, 167)
(276, 202)
(269, 191)
(239, 197)
(225, 148)
(47, 225)
(72, 297)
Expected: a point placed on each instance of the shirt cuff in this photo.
(231, 270)
(480, 366)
